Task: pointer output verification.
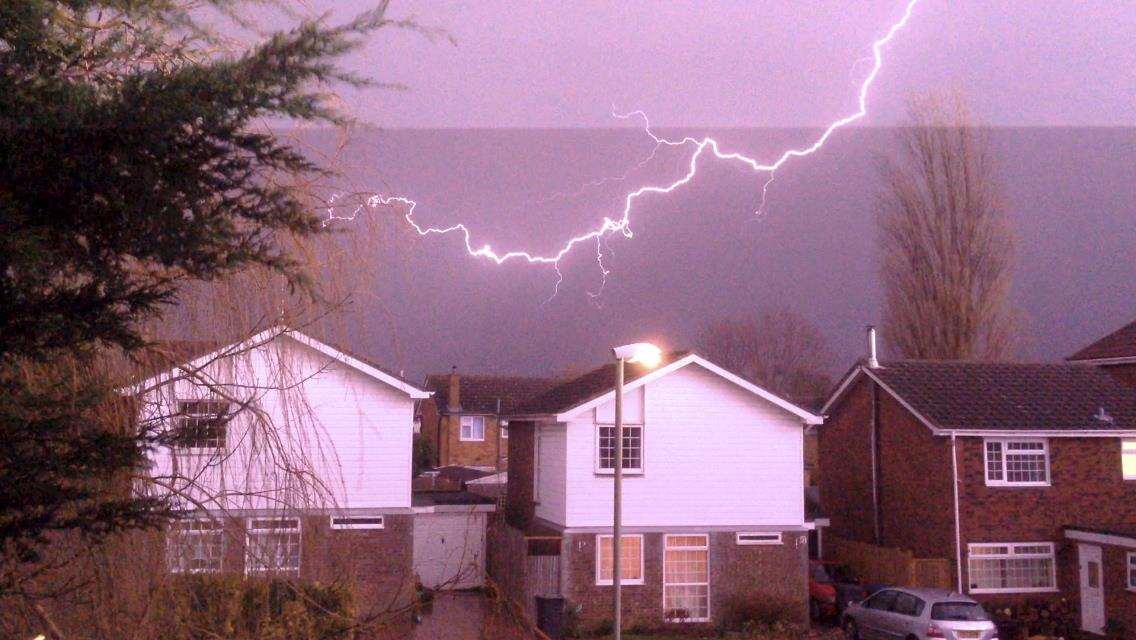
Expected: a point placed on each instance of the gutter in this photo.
(958, 528)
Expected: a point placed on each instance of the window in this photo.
(907, 605)
(759, 538)
(1128, 459)
(273, 545)
(503, 427)
(357, 522)
(632, 448)
(630, 559)
(200, 424)
(686, 578)
(958, 611)
(195, 546)
(1011, 567)
(882, 601)
(1017, 462)
(1132, 570)
(473, 427)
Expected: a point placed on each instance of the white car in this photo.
(899, 613)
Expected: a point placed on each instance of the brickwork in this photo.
(1125, 373)
(844, 453)
(519, 505)
(741, 578)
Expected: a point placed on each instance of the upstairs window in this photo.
(1020, 463)
(200, 425)
(1128, 459)
(272, 545)
(632, 448)
(473, 428)
(1011, 567)
(195, 546)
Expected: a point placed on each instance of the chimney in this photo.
(453, 399)
(873, 357)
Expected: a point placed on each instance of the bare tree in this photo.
(945, 246)
(779, 350)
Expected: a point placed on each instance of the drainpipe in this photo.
(958, 528)
(497, 418)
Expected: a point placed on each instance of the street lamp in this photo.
(649, 356)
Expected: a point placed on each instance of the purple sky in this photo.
(762, 63)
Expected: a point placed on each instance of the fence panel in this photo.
(888, 565)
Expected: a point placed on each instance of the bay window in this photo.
(272, 545)
(195, 546)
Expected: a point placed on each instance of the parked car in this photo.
(831, 587)
(924, 614)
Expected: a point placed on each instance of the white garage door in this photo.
(449, 550)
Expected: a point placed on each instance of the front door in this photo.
(1092, 588)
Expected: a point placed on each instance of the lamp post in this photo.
(648, 355)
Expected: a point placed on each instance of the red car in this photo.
(831, 587)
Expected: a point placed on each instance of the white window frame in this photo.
(181, 415)
(503, 429)
(470, 421)
(340, 523)
(1004, 482)
(179, 532)
(627, 470)
(759, 538)
(1130, 570)
(1051, 555)
(253, 553)
(1127, 448)
(599, 561)
(709, 579)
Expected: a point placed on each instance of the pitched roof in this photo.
(1118, 344)
(592, 384)
(584, 391)
(978, 396)
(160, 363)
(480, 393)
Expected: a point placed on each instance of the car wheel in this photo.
(851, 631)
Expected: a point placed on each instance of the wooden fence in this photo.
(888, 565)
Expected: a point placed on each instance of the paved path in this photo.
(457, 615)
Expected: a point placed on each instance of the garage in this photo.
(449, 539)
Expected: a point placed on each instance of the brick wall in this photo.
(844, 458)
(519, 505)
(1086, 490)
(1125, 373)
(741, 577)
(1119, 602)
(490, 452)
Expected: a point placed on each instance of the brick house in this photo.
(464, 419)
(1114, 353)
(291, 458)
(1006, 470)
(713, 505)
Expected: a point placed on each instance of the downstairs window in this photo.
(1019, 567)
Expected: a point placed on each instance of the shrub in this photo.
(738, 612)
(200, 607)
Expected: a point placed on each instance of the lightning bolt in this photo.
(621, 224)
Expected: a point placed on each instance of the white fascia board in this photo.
(267, 336)
(1100, 538)
(1105, 361)
(906, 405)
(455, 508)
(1071, 432)
(693, 358)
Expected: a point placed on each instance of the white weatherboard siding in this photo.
(714, 454)
(550, 466)
(349, 430)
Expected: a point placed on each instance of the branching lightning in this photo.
(621, 224)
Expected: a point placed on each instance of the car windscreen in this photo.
(958, 611)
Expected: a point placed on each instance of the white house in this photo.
(292, 456)
(713, 493)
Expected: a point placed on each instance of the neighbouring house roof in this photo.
(595, 386)
(481, 393)
(957, 396)
(166, 358)
(1118, 344)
